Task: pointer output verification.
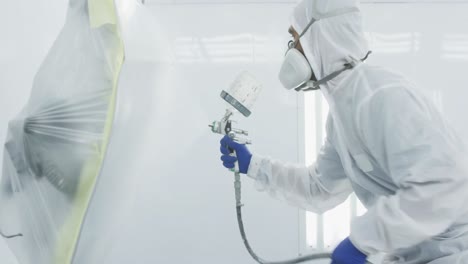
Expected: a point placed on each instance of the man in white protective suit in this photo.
(385, 141)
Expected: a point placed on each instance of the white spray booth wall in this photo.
(181, 201)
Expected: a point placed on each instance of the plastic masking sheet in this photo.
(56, 145)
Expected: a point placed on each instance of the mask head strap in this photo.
(315, 85)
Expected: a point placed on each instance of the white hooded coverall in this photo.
(386, 142)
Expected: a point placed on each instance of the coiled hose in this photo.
(237, 187)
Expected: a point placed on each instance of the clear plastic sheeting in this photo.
(56, 145)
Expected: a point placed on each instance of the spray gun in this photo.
(241, 96)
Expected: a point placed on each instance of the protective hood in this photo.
(330, 42)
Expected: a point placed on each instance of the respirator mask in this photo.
(296, 72)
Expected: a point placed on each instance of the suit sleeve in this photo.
(316, 188)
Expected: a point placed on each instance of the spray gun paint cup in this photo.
(242, 93)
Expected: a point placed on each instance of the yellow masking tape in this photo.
(101, 12)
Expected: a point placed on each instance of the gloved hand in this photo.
(347, 253)
(242, 152)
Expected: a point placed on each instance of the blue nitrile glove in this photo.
(347, 253)
(242, 152)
